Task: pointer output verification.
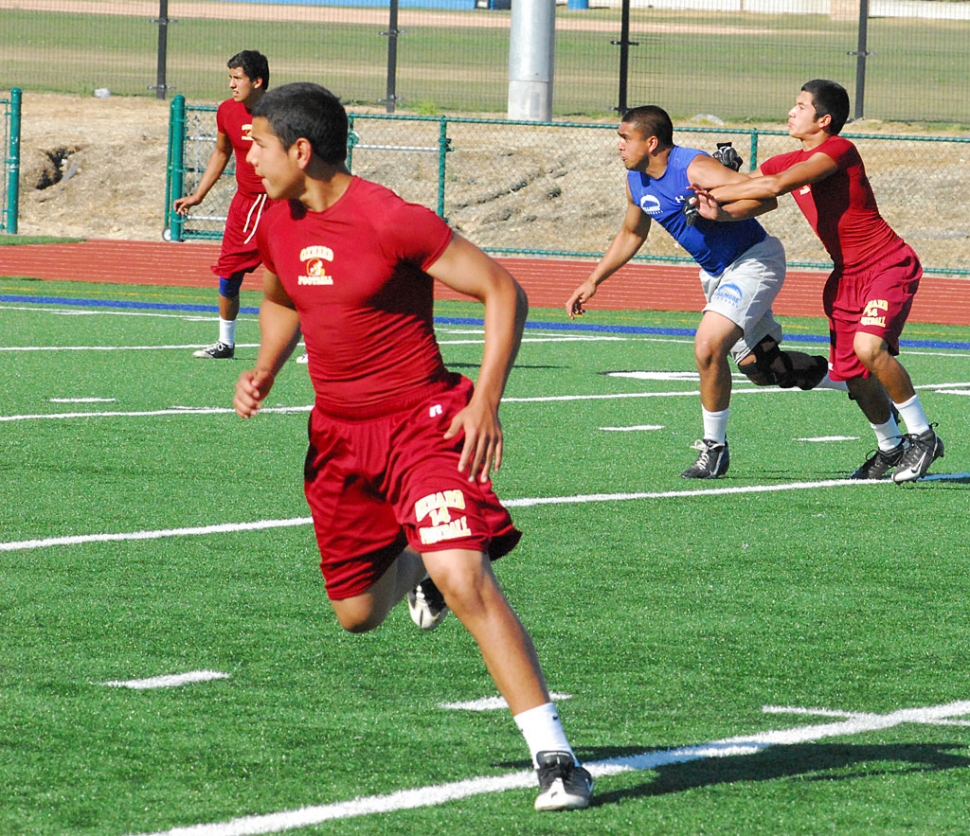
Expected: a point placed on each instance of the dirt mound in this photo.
(93, 168)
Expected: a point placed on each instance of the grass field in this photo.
(726, 64)
(780, 651)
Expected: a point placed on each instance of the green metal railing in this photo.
(557, 189)
(10, 186)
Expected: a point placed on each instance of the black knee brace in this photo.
(764, 360)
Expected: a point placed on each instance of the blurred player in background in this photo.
(742, 270)
(397, 474)
(248, 80)
(868, 295)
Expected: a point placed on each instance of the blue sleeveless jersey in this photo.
(713, 245)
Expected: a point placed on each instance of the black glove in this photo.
(727, 156)
(690, 210)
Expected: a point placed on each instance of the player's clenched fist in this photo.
(251, 389)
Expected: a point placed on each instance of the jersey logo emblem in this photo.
(874, 313)
(650, 204)
(314, 266)
(438, 508)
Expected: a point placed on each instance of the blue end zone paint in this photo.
(115, 303)
(576, 327)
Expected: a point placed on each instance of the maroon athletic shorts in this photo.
(239, 253)
(875, 300)
(376, 485)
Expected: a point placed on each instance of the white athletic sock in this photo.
(543, 732)
(227, 331)
(827, 383)
(887, 434)
(715, 425)
(913, 415)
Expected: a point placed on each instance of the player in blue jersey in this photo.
(742, 270)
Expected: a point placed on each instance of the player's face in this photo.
(241, 85)
(277, 167)
(802, 119)
(633, 147)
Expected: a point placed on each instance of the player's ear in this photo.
(304, 151)
(257, 83)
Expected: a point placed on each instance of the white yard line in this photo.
(174, 680)
(853, 723)
(526, 502)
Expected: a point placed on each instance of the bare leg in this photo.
(715, 336)
(366, 611)
(466, 580)
(875, 356)
(228, 307)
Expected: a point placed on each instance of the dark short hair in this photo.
(651, 120)
(253, 63)
(830, 99)
(307, 110)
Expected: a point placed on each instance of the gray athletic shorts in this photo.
(744, 292)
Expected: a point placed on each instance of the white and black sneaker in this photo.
(922, 451)
(216, 351)
(427, 605)
(880, 462)
(712, 460)
(562, 784)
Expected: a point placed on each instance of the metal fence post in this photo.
(175, 182)
(861, 54)
(163, 21)
(443, 145)
(13, 162)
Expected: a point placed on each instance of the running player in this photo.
(397, 474)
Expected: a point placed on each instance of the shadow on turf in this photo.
(807, 761)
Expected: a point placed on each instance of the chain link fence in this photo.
(558, 189)
(733, 59)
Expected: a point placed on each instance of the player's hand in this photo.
(575, 305)
(707, 206)
(183, 204)
(251, 389)
(482, 451)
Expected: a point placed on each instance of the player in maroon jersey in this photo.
(397, 474)
(868, 296)
(248, 80)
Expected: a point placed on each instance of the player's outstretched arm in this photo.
(465, 268)
(813, 170)
(626, 244)
(706, 174)
(279, 326)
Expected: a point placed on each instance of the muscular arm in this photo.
(707, 175)
(465, 268)
(279, 326)
(816, 168)
(626, 244)
(218, 160)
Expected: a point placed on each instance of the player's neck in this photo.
(813, 140)
(325, 186)
(657, 163)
